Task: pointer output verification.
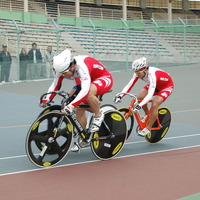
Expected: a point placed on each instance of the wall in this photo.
(25, 17)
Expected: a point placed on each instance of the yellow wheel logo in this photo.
(35, 125)
(116, 117)
(46, 164)
(117, 148)
(46, 111)
(96, 143)
(164, 132)
(162, 112)
(69, 127)
(149, 135)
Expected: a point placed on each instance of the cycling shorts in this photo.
(103, 84)
(164, 93)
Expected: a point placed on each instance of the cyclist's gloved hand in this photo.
(117, 99)
(44, 103)
(68, 110)
(136, 108)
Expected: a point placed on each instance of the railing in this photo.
(11, 5)
(164, 15)
(115, 43)
(98, 13)
(18, 5)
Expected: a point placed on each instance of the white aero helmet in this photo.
(61, 62)
(139, 64)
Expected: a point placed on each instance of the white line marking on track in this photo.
(127, 143)
(181, 111)
(13, 157)
(17, 126)
(28, 125)
(85, 162)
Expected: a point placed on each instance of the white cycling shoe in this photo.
(75, 148)
(143, 132)
(97, 123)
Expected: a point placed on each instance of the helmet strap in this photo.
(71, 70)
(145, 72)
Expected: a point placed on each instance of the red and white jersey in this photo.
(88, 70)
(157, 79)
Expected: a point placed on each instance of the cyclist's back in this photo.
(93, 69)
(162, 78)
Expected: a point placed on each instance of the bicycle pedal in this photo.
(82, 143)
(140, 135)
(75, 148)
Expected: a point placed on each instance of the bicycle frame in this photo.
(141, 124)
(85, 134)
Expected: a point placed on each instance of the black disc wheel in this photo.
(129, 119)
(164, 116)
(109, 140)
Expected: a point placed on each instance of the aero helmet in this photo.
(139, 64)
(61, 62)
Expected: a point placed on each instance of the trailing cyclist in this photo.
(90, 76)
(159, 84)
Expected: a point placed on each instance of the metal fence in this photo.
(115, 43)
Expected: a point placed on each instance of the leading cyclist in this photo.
(159, 84)
(90, 76)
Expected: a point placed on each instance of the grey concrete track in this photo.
(19, 108)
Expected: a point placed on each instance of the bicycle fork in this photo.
(50, 139)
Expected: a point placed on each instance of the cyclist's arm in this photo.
(74, 92)
(85, 80)
(130, 85)
(151, 90)
(55, 86)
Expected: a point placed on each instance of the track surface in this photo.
(167, 170)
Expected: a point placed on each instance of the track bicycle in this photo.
(66, 99)
(50, 137)
(159, 128)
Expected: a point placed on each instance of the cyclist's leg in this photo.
(157, 101)
(81, 116)
(94, 104)
(99, 86)
(95, 108)
(142, 94)
(93, 101)
(162, 95)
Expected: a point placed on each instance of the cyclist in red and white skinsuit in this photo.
(94, 79)
(159, 84)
